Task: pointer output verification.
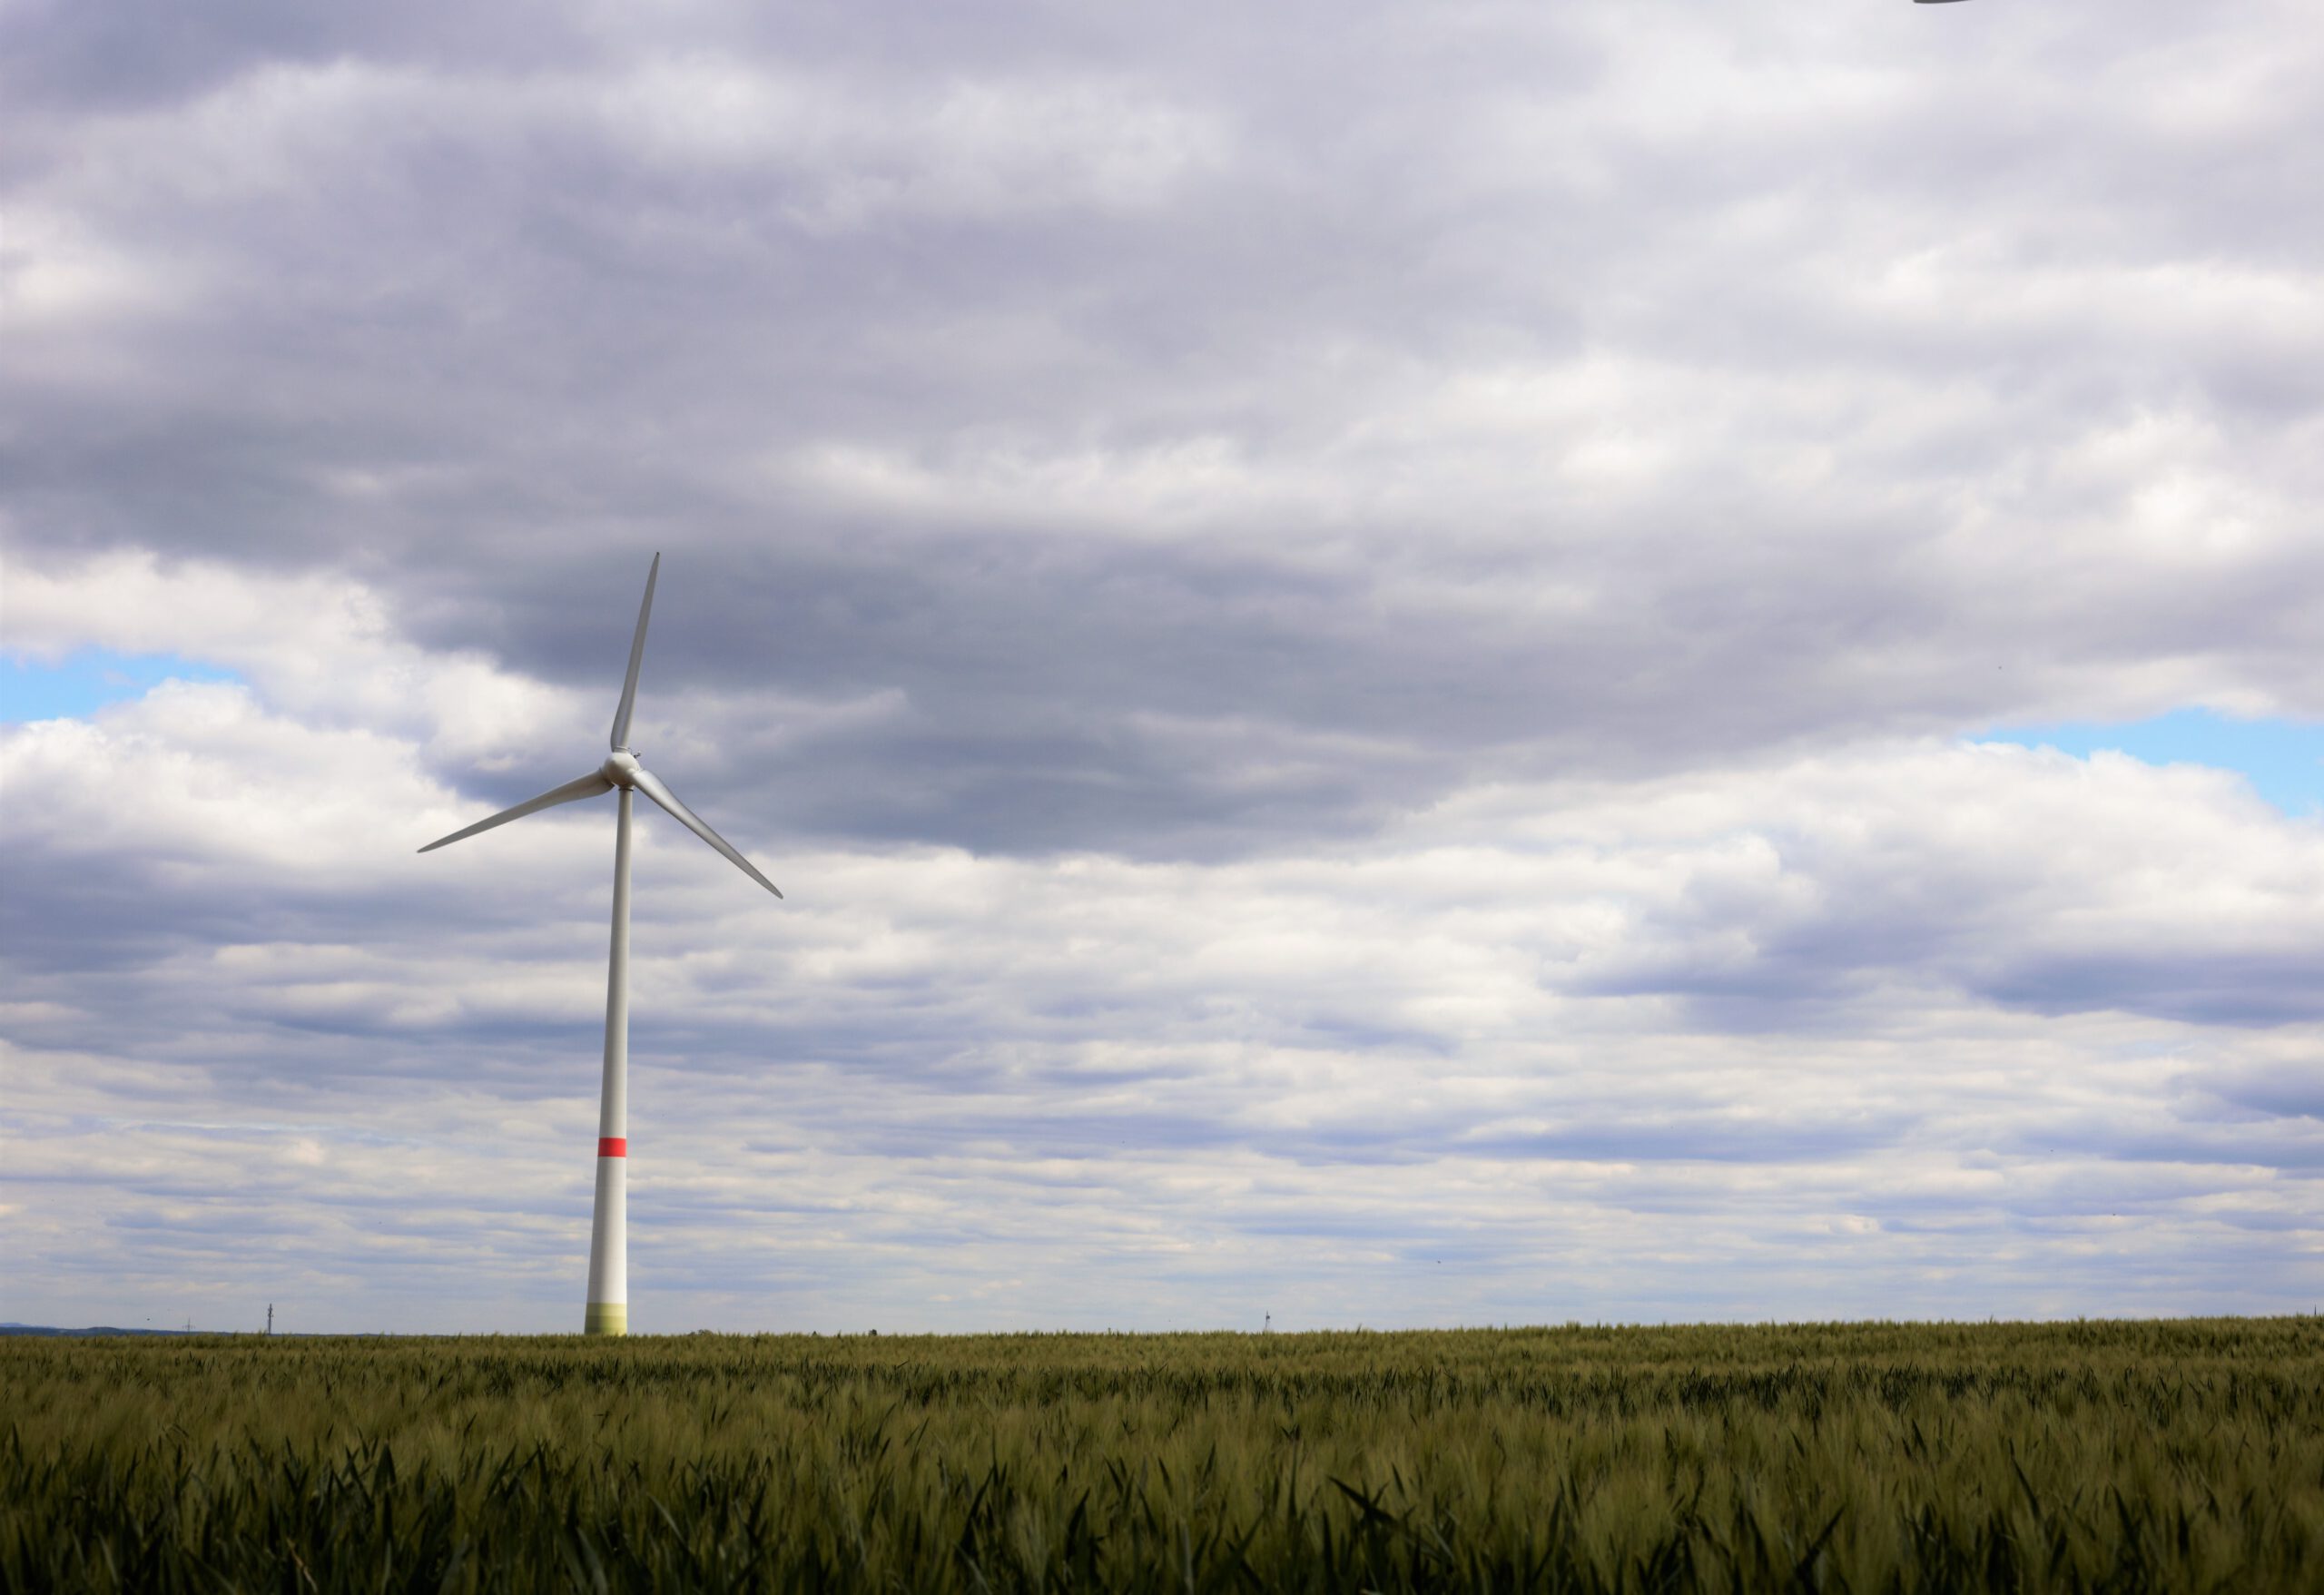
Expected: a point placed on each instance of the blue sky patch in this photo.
(87, 679)
(2282, 758)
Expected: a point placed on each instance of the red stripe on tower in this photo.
(613, 1146)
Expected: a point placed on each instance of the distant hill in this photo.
(100, 1329)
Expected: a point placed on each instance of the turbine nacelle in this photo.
(621, 771)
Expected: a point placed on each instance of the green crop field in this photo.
(1866, 1457)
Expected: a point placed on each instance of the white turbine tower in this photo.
(608, 1304)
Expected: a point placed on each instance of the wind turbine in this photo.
(608, 1303)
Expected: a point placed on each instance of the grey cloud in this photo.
(62, 58)
(1130, 484)
(2259, 985)
(2293, 1090)
(449, 314)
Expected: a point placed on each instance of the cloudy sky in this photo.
(1469, 664)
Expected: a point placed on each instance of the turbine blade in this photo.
(636, 657)
(572, 791)
(652, 787)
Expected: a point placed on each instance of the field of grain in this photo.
(2183, 1455)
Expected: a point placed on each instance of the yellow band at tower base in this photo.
(607, 1318)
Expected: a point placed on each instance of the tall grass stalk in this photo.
(1871, 1457)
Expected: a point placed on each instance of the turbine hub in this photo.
(621, 767)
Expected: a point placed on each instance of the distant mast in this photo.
(270, 1318)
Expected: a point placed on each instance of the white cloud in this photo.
(1502, 1031)
(324, 645)
(971, 147)
(1347, 630)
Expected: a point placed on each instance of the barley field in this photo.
(1869, 1457)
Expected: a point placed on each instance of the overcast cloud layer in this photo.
(1355, 632)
